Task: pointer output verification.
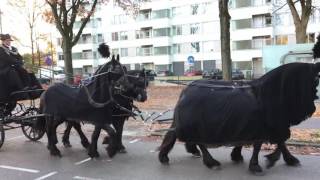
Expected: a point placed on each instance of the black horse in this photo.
(137, 92)
(92, 103)
(212, 113)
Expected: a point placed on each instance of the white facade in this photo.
(167, 32)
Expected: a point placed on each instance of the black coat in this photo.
(9, 59)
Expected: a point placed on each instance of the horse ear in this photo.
(118, 58)
(112, 59)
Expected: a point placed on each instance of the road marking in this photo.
(19, 169)
(83, 161)
(134, 141)
(47, 175)
(13, 138)
(84, 178)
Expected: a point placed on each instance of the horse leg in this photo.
(118, 125)
(84, 140)
(273, 157)
(192, 148)
(167, 145)
(113, 142)
(254, 166)
(51, 126)
(207, 158)
(66, 134)
(287, 156)
(93, 153)
(236, 154)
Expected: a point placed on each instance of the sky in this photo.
(15, 24)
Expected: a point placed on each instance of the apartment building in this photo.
(176, 35)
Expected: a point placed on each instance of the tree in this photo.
(301, 21)
(64, 15)
(225, 38)
(31, 11)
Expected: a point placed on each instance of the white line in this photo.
(13, 138)
(83, 161)
(47, 175)
(84, 178)
(19, 169)
(134, 141)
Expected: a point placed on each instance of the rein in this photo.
(221, 86)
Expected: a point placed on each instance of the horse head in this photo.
(138, 84)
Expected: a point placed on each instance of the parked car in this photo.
(163, 73)
(193, 73)
(217, 74)
(150, 74)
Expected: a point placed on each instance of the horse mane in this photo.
(316, 48)
(286, 94)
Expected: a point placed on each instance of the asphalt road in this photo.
(22, 159)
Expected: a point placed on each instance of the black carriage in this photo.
(21, 113)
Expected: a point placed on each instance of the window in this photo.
(164, 50)
(282, 39)
(163, 13)
(259, 41)
(100, 38)
(87, 54)
(123, 35)
(124, 52)
(241, 24)
(115, 36)
(161, 32)
(241, 45)
(177, 30)
(195, 47)
(144, 15)
(144, 33)
(86, 38)
(115, 51)
(195, 9)
(195, 28)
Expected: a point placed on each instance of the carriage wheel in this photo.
(29, 129)
(1, 135)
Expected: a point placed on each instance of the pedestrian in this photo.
(11, 65)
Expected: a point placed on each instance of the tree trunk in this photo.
(67, 51)
(301, 34)
(225, 39)
(32, 47)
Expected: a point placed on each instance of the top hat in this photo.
(5, 37)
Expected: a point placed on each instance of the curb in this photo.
(303, 143)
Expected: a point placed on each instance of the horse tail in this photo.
(41, 121)
(168, 142)
(316, 48)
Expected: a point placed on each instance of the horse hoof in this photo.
(94, 154)
(67, 145)
(55, 153)
(256, 170)
(122, 151)
(210, 163)
(163, 159)
(237, 159)
(270, 163)
(292, 161)
(111, 151)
